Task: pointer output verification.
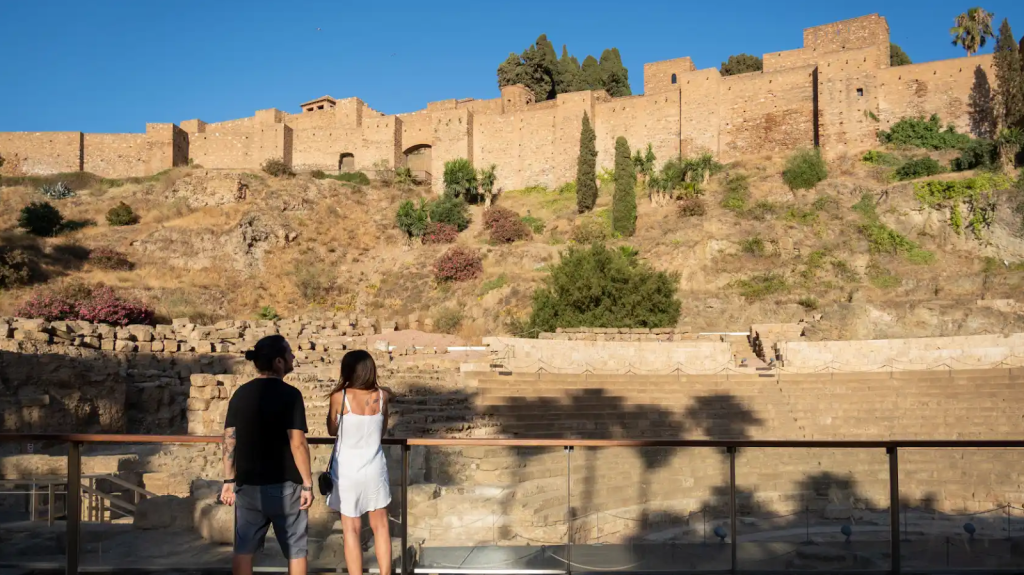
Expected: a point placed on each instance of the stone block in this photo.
(214, 522)
(143, 347)
(23, 335)
(164, 512)
(205, 392)
(180, 322)
(163, 483)
(141, 332)
(197, 404)
(231, 333)
(107, 344)
(123, 333)
(5, 330)
(31, 325)
(157, 346)
(125, 346)
(91, 342)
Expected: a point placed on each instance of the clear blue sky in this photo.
(113, 65)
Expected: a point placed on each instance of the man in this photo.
(267, 475)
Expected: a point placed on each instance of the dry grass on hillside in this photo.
(217, 244)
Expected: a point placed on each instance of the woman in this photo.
(358, 416)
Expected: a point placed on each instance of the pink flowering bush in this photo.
(99, 304)
(505, 225)
(458, 264)
(105, 306)
(440, 233)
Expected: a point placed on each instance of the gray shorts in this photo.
(259, 506)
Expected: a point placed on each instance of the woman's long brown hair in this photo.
(358, 371)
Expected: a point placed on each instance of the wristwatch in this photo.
(308, 488)
(229, 481)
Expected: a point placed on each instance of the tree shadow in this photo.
(982, 106)
(26, 254)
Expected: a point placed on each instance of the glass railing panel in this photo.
(488, 508)
(649, 509)
(812, 509)
(33, 504)
(961, 509)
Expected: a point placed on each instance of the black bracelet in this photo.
(229, 481)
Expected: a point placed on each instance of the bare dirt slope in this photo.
(220, 244)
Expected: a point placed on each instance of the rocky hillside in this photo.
(215, 244)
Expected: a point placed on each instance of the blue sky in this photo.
(113, 65)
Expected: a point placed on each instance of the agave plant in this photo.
(972, 29)
(58, 191)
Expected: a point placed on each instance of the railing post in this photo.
(405, 508)
(894, 508)
(74, 506)
(51, 503)
(568, 509)
(734, 564)
(32, 503)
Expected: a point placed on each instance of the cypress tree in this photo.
(568, 77)
(586, 168)
(590, 75)
(624, 200)
(1009, 80)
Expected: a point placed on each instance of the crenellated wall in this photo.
(835, 92)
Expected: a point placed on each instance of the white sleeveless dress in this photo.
(360, 472)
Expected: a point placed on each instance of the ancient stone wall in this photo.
(959, 352)
(33, 153)
(836, 91)
(647, 353)
(116, 155)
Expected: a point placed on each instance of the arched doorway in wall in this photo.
(347, 162)
(417, 159)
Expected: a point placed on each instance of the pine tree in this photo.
(624, 200)
(568, 77)
(897, 57)
(510, 72)
(614, 75)
(537, 75)
(590, 74)
(586, 168)
(1009, 78)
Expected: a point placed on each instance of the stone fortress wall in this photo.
(836, 91)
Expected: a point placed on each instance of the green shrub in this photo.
(884, 240)
(762, 285)
(438, 233)
(920, 257)
(979, 153)
(754, 246)
(865, 206)
(590, 230)
(691, 207)
(921, 133)
(881, 277)
(974, 193)
(801, 215)
(450, 210)
(276, 167)
(404, 176)
(122, 215)
(15, 267)
(412, 219)
(808, 303)
(600, 287)
(917, 168)
(534, 223)
(110, 259)
(493, 284)
(318, 174)
(762, 210)
(877, 158)
(460, 179)
(844, 272)
(825, 203)
(448, 320)
(737, 192)
(41, 219)
(57, 191)
(352, 177)
(267, 313)
(804, 169)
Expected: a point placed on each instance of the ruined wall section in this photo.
(771, 112)
(861, 32)
(116, 155)
(36, 153)
(848, 95)
(658, 75)
(453, 138)
(699, 112)
(942, 88)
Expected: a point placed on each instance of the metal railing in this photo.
(892, 449)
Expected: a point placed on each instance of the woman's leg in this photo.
(350, 527)
(381, 539)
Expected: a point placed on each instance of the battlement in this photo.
(835, 92)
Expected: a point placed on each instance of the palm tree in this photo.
(972, 29)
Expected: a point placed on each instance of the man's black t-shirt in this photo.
(262, 411)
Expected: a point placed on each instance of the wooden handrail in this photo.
(85, 438)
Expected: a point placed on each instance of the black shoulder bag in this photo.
(325, 482)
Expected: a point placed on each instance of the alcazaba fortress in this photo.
(835, 92)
